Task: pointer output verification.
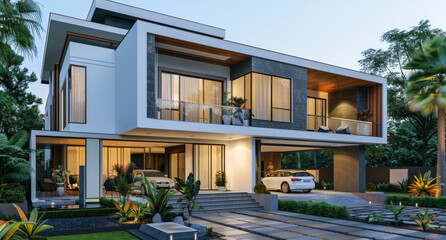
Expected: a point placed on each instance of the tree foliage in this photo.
(20, 21)
(389, 64)
(19, 107)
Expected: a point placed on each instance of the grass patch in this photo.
(71, 213)
(314, 208)
(429, 202)
(397, 193)
(122, 235)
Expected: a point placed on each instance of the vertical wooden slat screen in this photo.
(374, 104)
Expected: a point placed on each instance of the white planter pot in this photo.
(246, 123)
(221, 189)
(60, 189)
(227, 119)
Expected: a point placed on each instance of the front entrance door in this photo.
(208, 160)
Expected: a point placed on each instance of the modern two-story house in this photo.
(128, 85)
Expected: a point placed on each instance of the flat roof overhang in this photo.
(58, 28)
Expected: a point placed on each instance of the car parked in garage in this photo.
(289, 180)
(161, 180)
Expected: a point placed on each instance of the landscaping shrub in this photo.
(314, 208)
(388, 187)
(107, 202)
(72, 213)
(324, 185)
(260, 188)
(429, 202)
(370, 187)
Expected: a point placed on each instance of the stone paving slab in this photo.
(391, 230)
(230, 233)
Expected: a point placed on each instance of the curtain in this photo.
(78, 79)
(63, 107)
(213, 94)
(261, 96)
(75, 158)
(281, 99)
(191, 90)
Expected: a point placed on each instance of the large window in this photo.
(316, 113)
(268, 96)
(77, 91)
(197, 97)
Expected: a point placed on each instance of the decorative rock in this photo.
(179, 220)
(201, 229)
(157, 218)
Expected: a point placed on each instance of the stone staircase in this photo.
(221, 202)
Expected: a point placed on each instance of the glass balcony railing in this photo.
(343, 126)
(204, 113)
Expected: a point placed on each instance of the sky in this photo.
(329, 31)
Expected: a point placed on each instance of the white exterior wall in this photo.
(100, 86)
(126, 83)
(93, 166)
(240, 165)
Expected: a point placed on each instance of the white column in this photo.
(240, 165)
(93, 163)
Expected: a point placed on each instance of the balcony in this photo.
(203, 113)
(343, 126)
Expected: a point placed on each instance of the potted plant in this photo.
(226, 111)
(60, 175)
(364, 128)
(220, 180)
(238, 114)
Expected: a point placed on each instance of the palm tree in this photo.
(426, 91)
(19, 22)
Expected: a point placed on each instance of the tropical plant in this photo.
(374, 218)
(19, 21)
(364, 115)
(31, 227)
(60, 174)
(124, 180)
(157, 200)
(424, 186)
(2, 189)
(190, 190)
(210, 232)
(370, 187)
(424, 219)
(396, 210)
(220, 179)
(125, 212)
(14, 165)
(404, 184)
(140, 212)
(426, 92)
(8, 229)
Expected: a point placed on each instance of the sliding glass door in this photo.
(187, 95)
(208, 159)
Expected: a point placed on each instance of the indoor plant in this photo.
(60, 175)
(220, 180)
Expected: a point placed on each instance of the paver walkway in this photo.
(288, 225)
(328, 196)
(407, 217)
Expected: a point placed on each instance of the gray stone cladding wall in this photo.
(298, 76)
(151, 81)
(346, 103)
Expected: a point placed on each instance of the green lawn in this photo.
(124, 235)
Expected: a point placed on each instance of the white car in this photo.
(289, 180)
(161, 180)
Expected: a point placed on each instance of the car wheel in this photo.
(285, 187)
(306, 190)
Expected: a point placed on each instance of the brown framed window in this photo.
(78, 96)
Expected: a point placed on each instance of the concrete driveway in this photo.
(332, 197)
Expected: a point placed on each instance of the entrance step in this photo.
(220, 202)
